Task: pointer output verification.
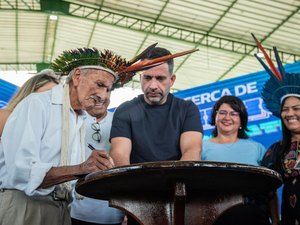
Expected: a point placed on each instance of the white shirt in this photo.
(88, 209)
(31, 141)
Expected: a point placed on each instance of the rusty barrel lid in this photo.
(198, 176)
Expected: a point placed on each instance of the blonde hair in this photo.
(32, 85)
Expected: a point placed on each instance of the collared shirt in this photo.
(31, 141)
(94, 210)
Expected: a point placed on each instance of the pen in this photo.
(91, 147)
(108, 156)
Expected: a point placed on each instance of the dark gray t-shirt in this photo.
(155, 129)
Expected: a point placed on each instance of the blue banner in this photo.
(263, 126)
(7, 90)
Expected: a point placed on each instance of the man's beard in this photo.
(155, 100)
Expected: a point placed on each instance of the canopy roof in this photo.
(30, 38)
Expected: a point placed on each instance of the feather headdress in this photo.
(106, 60)
(280, 85)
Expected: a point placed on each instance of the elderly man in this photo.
(42, 144)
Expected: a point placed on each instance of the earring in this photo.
(240, 128)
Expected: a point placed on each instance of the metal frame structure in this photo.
(96, 13)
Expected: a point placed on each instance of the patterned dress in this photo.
(290, 208)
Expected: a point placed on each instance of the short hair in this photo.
(32, 85)
(237, 105)
(159, 52)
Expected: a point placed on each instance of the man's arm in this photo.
(120, 150)
(98, 160)
(191, 145)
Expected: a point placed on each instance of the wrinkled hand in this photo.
(98, 160)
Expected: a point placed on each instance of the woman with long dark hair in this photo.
(284, 157)
(281, 94)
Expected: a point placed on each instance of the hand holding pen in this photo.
(102, 153)
(97, 160)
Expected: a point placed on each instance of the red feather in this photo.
(154, 62)
(267, 57)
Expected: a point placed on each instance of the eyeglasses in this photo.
(96, 135)
(231, 114)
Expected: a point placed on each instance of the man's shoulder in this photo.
(183, 104)
(54, 95)
(181, 101)
(130, 103)
(40, 98)
(91, 119)
(109, 116)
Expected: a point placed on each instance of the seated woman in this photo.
(230, 143)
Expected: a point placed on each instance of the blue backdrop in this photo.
(263, 126)
(7, 90)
